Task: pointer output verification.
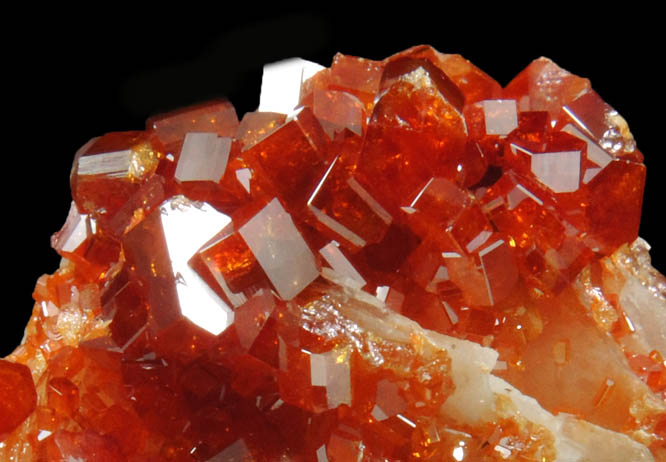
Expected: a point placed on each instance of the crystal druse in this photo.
(394, 260)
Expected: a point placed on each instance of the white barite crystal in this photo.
(340, 264)
(475, 397)
(560, 171)
(187, 226)
(501, 116)
(281, 84)
(642, 297)
(575, 440)
(647, 313)
(280, 250)
(204, 157)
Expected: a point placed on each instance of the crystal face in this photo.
(394, 260)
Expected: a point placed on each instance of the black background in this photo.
(75, 75)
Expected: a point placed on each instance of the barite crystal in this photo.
(394, 260)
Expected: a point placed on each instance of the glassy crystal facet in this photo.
(394, 260)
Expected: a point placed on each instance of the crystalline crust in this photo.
(394, 260)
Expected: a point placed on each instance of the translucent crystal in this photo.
(393, 260)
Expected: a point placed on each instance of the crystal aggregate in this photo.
(394, 260)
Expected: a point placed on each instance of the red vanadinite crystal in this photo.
(215, 301)
(17, 396)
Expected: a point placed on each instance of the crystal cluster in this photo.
(394, 260)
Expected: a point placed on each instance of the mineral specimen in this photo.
(392, 260)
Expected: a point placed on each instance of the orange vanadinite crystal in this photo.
(212, 117)
(258, 290)
(17, 396)
(416, 131)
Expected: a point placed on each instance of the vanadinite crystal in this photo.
(394, 260)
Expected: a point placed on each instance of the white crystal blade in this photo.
(281, 84)
(204, 157)
(340, 264)
(280, 250)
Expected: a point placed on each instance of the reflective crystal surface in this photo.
(393, 260)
